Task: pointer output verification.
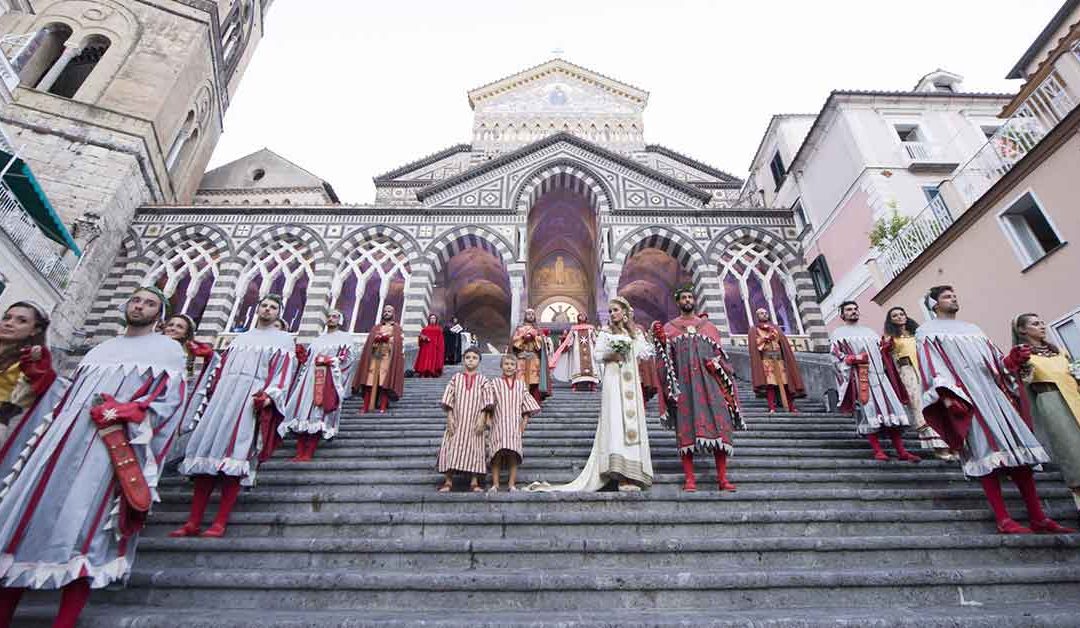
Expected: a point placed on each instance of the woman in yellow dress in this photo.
(899, 343)
(1054, 394)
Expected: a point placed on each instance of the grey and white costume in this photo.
(226, 438)
(883, 408)
(958, 357)
(302, 416)
(58, 513)
(28, 427)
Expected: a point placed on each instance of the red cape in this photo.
(791, 367)
(432, 353)
(396, 385)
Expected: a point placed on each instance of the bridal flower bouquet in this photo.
(621, 345)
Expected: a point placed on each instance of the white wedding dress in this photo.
(621, 444)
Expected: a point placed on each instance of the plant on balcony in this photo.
(888, 228)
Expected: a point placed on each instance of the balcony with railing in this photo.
(1044, 108)
(52, 260)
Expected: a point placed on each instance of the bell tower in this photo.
(118, 104)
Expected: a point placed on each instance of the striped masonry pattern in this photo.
(567, 176)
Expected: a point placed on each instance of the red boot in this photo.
(9, 601)
(204, 486)
(301, 449)
(897, 438)
(1039, 522)
(690, 484)
(992, 487)
(721, 471)
(73, 598)
(875, 444)
(770, 397)
(230, 490)
(313, 444)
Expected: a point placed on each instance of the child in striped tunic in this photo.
(513, 407)
(467, 400)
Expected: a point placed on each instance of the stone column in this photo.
(417, 299)
(50, 77)
(318, 301)
(517, 290)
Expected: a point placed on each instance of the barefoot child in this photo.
(466, 400)
(513, 407)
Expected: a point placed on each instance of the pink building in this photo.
(1005, 248)
(865, 156)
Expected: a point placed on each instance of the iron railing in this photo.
(44, 254)
(1042, 111)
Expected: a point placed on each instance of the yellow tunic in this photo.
(904, 347)
(8, 379)
(1055, 370)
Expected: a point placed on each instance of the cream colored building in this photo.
(862, 157)
(1012, 246)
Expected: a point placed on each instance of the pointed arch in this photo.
(282, 265)
(373, 273)
(567, 174)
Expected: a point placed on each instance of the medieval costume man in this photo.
(529, 344)
(380, 376)
(452, 341)
(239, 427)
(573, 360)
(968, 400)
(1053, 387)
(314, 407)
(864, 386)
(773, 368)
(698, 398)
(70, 515)
(431, 357)
(29, 387)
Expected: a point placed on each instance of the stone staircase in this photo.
(817, 535)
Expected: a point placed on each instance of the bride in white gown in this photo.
(620, 450)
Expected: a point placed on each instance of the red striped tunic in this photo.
(464, 400)
(512, 402)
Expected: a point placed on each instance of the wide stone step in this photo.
(583, 443)
(664, 498)
(309, 473)
(974, 614)
(751, 522)
(605, 553)
(497, 590)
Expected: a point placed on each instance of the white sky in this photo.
(354, 88)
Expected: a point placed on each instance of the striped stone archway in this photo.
(438, 253)
(562, 174)
(681, 248)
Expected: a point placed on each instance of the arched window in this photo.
(180, 141)
(372, 275)
(40, 53)
(188, 277)
(753, 278)
(77, 68)
(282, 268)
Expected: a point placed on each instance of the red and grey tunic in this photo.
(698, 397)
(60, 508)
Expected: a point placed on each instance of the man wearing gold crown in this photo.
(697, 397)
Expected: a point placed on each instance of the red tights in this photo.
(73, 598)
(690, 483)
(384, 402)
(1025, 482)
(305, 447)
(770, 396)
(204, 486)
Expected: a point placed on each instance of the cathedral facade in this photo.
(556, 204)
